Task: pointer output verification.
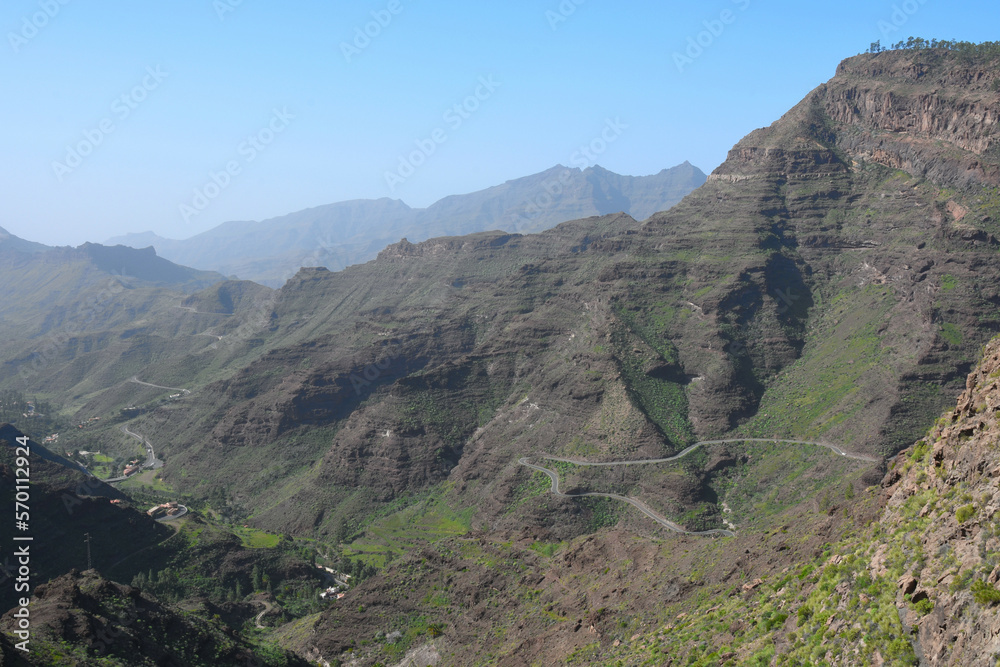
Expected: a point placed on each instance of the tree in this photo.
(341, 531)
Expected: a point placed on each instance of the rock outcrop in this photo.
(945, 498)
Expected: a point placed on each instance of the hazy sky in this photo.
(123, 116)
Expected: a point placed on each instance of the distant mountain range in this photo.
(10, 242)
(353, 232)
(85, 288)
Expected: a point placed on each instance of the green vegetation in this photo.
(965, 513)
(44, 419)
(763, 481)
(99, 465)
(827, 611)
(426, 522)
(948, 283)
(774, 621)
(140, 632)
(188, 565)
(987, 208)
(822, 389)
(663, 400)
(536, 485)
(984, 593)
(253, 538)
(548, 549)
(967, 51)
(951, 334)
(604, 512)
(148, 481)
(920, 451)
(769, 479)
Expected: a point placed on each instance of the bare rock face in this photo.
(952, 103)
(945, 495)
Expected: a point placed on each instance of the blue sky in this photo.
(124, 116)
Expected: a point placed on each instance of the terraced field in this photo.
(429, 521)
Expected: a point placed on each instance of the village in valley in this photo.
(111, 468)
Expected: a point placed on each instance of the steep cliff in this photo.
(944, 515)
(840, 252)
(908, 111)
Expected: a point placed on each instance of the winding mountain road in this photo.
(151, 461)
(645, 509)
(833, 448)
(267, 609)
(638, 504)
(136, 380)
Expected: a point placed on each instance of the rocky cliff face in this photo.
(908, 110)
(944, 502)
(875, 191)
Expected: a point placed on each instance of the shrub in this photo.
(778, 620)
(965, 513)
(984, 593)
(925, 606)
(961, 582)
(805, 613)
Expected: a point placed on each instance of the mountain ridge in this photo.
(8, 241)
(350, 232)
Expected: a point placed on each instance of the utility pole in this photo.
(90, 565)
